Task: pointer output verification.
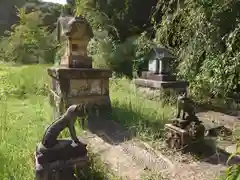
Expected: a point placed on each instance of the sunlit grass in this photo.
(25, 113)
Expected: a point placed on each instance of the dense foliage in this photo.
(122, 32)
(49, 12)
(31, 38)
(29, 41)
(203, 35)
(7, 15)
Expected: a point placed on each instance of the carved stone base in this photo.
(64, 150)
(158, 77)
(161, 84)
(60, 162)
(176, 137)
(180, 123)
(60, 170)
(79, 85)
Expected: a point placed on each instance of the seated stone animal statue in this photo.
(185, 105)
(51, 149)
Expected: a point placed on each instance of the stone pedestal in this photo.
(60, 170)
(158, 81)
(61, 161)
(79, 85)
(176, 137)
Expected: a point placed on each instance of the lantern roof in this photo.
(161, 53)
(65, 25)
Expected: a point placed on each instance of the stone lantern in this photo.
(159, 73)
(74, 81)
(160, 60)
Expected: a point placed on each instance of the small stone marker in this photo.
(159, 73)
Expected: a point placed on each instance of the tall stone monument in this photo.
(74, 81)
(159, 74)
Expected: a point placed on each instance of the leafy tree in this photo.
(8, 13)
(49, 12)
(122, 27)
(29, 41)
(121, 18)
(205, 37)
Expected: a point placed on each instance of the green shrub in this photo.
(122, 58)
(116, 46)
(205, 37)
(122, 19)
(49, 12)
(233, 172)
(29, 42)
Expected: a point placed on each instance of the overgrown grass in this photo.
(25, 112)
(22, 81)
(22, 124)
(131, 109)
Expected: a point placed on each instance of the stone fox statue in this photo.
(67, 120)
(186, 105)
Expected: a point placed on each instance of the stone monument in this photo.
(74, 81)
(59, 157)
(159, 73)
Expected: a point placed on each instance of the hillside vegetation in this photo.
(204, 35)
(49, 12)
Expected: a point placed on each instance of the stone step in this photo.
(129, 159)
(160, 84)
(157, 77)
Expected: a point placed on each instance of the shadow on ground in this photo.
(208, 152)
(205, 107)
(123, 125)
(95, 170)
(224, 158)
